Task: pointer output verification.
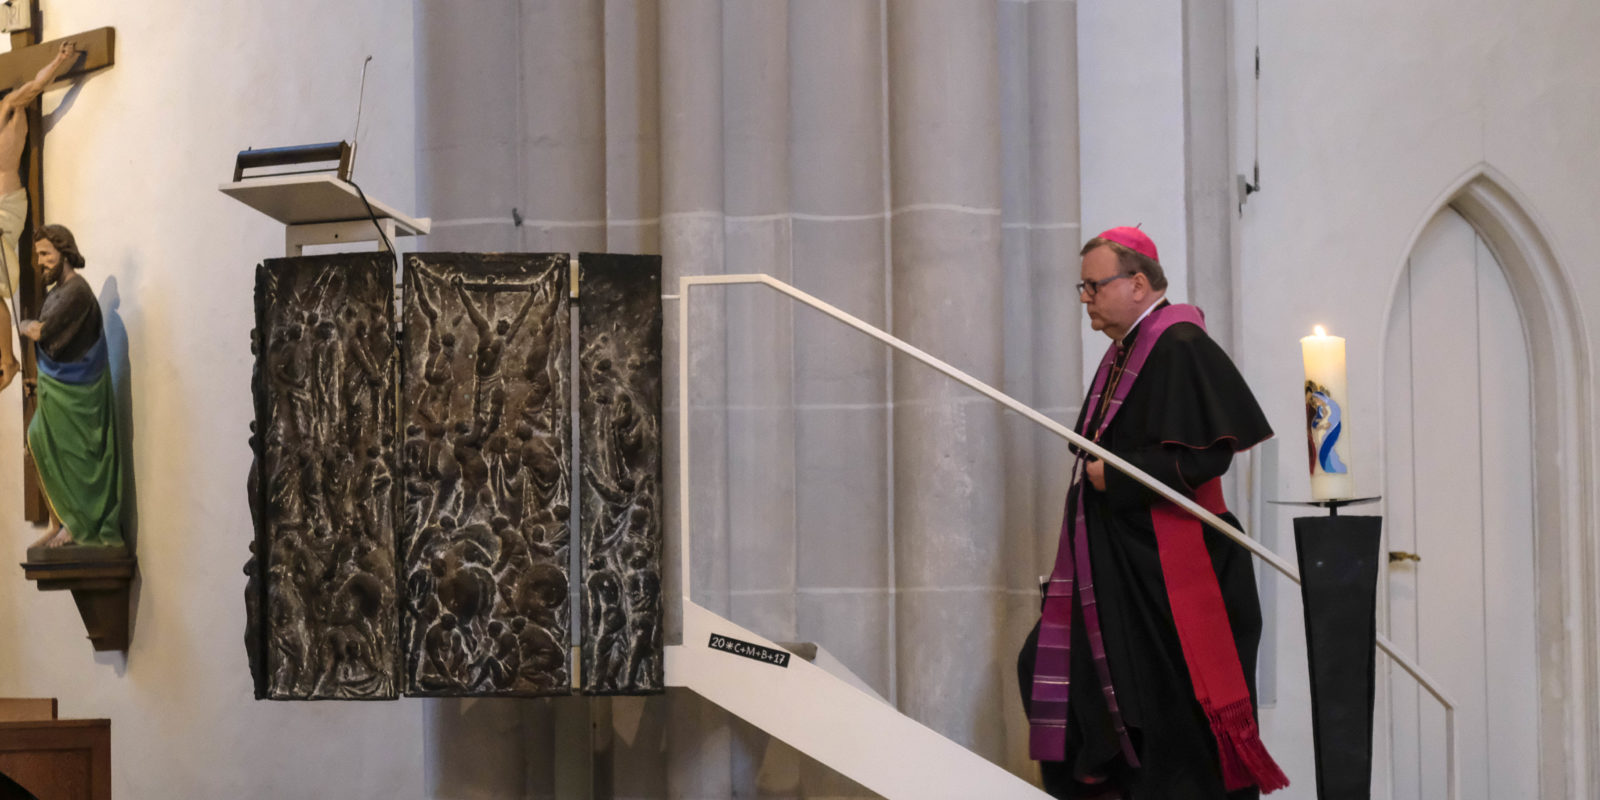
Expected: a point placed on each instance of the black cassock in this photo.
(1186, 414)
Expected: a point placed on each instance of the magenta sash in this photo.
(1052, 671)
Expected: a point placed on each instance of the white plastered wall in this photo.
(1371, 115)
(132, 166)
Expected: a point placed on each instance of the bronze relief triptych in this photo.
(415, 493)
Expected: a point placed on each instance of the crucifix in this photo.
(25, 62)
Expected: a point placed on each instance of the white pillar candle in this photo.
(1327, 428)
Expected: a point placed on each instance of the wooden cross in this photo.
(26, 58)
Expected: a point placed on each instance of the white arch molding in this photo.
(1567, 602)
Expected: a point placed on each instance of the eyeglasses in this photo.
(1092, 288)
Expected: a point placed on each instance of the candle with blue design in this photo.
(1326, 427)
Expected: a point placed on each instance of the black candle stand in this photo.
(1333, 506)
(1339, 560)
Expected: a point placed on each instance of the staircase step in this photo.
(805, 650)
(835, 718)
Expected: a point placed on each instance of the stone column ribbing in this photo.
(1055, 236)
(633, 130)
(691, 160)
(1024, 441)
(467, 123)
(760, 488)
(840, 224)
(1038, 462)
(947, 298)
(840, 384)
(561, 168)
(1211, 193)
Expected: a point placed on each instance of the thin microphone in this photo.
(360, 98)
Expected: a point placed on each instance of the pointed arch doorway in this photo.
(1486, 448)
(1459, 495)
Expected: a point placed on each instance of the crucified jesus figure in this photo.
(14, 196)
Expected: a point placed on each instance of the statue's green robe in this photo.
(73, 435)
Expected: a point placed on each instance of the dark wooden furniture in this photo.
(55, 759)
(27, 709)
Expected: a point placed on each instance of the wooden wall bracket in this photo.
(99, 579)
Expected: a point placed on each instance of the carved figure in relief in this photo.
(540, 594)
(537, 369)
(467, 590)
(644, 621)
(325, 369)
(496, 661)
(444, 651)
(287, 382)
(362, 391)
(434, 389)
(541, 657)
(489, 384)
(606, 619)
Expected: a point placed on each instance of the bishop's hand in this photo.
(1096, 470)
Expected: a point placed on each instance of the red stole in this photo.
(1196, 599)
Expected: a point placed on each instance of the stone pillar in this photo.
(467, 123)
(692, 242)
(1210, 176)
(947, 298)
(633, 135)
(1054, 237)
(561, 164)
(840, 230)
(1041, 237)
(760, 489)
(841, 379)
(1023, 441)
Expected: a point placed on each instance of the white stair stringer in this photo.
(822, 715)
(831, 664)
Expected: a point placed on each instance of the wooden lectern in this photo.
(54, 759)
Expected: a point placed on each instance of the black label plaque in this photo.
(739, 647)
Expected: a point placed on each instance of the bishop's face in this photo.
(1112, 298)
(48, 258)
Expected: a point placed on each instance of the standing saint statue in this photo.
(73, 436)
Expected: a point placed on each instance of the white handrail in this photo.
(686, 282)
